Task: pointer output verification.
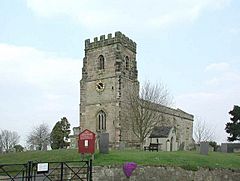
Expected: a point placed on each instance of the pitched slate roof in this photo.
(160, 132)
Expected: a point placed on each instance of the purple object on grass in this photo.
(128, 168)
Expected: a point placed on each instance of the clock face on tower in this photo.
(99, 86)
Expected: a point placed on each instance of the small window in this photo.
(101, 62)
(127, 62)
(101, 120)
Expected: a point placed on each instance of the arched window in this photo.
(101, 62)
(127, 62)
(101, 120)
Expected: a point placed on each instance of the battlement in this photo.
(103, 41)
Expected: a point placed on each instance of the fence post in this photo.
(61, 171)
(29, 171)
(90, 169)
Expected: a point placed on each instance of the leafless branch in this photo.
(202, 132)
(142, 113)
(39, 137)
(8, 139)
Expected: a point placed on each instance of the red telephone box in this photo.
(86, 142)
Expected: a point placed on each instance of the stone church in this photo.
(109, 70)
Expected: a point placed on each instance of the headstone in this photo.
(181, 147)
(204, 148)
(104, 143)
(211, 149)
(122, 145)
(224, 147)
(229, 147)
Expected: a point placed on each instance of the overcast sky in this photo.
(192, 46)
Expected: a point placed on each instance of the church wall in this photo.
(113, 49)
(183, 123)
(164, 143)
(183, 129)
(117, 82)
(108, 95)
(92, 63)
(91, 118)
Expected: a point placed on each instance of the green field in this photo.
(185, 159)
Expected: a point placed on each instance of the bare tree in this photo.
(144, 114)
(202, 132)
(8, 139)
(39, 137)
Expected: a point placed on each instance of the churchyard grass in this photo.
(186, 159)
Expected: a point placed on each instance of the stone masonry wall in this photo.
(118, 79)
(151, 173)
(114, 76)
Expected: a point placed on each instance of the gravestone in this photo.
(204, 148)
(122, 145)
(229, 147)
(104, 143)
(224, 147)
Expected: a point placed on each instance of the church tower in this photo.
(109, 70)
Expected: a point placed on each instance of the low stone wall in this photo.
(151, 173)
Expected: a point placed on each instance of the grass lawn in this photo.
(185, 159)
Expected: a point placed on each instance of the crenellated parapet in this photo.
(103, 41)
